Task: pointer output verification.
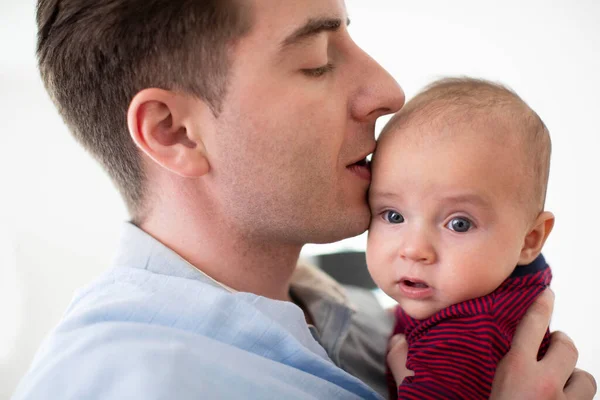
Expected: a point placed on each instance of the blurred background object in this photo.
(348, 268)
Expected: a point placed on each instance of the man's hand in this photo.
(396, 358)
(521, 376)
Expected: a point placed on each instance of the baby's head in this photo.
(457, 196)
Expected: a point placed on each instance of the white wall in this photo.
(60, 217)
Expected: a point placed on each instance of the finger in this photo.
(396, 358)
(395, 339)
(532, 328)
(561, 357)
(581, 385)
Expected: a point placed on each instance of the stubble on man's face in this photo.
(286, 137)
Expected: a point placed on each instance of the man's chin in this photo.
(359, 223)
(340, 230)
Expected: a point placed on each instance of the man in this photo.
(236, 132)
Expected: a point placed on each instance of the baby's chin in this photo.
(420, 311)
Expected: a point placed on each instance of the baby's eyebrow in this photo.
(467, 198)
(388, 195)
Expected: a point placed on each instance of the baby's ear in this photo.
(535, 239)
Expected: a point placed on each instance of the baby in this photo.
(457, 198)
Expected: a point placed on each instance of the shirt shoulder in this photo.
(138, 334)
(123, 360)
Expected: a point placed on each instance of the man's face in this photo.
(297, 122)
(447, 226)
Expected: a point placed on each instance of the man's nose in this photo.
(377, 93)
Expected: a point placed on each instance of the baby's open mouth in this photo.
(414, 284)
(416, 289)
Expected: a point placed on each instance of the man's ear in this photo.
(161, 125)
(535, 239)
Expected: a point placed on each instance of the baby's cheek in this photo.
(381, 273)
(467, 285)
(374, 262)
(380, 267)
(379, 248)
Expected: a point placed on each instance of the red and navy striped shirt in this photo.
(454, 353)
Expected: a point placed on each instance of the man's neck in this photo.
(227, 256)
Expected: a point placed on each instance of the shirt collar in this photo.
(539, 264)
(138, 249)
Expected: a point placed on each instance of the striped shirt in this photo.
(454, 353)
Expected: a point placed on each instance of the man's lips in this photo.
(361, 168)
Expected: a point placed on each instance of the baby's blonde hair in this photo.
(452, 101)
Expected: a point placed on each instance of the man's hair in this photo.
(96, 55)
(465, 100)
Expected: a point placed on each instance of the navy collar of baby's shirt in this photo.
(539, 264)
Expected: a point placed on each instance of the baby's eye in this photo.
(459, 224)
(393, 217)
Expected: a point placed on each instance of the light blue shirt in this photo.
(154, 327)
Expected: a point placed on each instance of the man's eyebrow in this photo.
(311, 28)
